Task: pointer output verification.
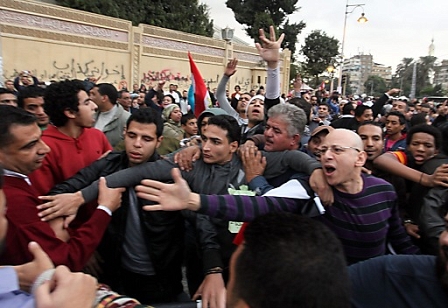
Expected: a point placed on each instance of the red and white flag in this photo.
(322, 86)
(201, 96)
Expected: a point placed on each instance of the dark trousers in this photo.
(148, 290)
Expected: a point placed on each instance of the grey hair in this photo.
(293, 116)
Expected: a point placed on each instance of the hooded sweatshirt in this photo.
(171, 129)
(68, 155)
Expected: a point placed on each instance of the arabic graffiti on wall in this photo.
(244, 84)
(150, 78)
(75, 70)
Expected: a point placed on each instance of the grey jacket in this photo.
(114, 129)
(208, 179)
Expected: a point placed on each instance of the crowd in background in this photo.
(377, 164)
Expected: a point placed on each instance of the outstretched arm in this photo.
(390, 163)
(178, 196)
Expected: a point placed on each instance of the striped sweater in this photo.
(364, 222)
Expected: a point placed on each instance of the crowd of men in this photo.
(130, 187)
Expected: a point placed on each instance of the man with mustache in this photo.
(70, 289)
(22, 151)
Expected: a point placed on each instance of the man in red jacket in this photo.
(22, 151)
(73, 141)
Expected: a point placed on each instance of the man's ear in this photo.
(295, 139)
(361, 159)
(159, 142)
(233, 146)
(69, 113)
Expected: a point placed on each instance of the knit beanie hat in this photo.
(167, 111)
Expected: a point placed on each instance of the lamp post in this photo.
(361, 19)
(227, 35)
(330, 70)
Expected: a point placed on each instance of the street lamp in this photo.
(361, 19)
(227, 34)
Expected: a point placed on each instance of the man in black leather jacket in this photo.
(142, 254)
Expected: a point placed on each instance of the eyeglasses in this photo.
(335, 149)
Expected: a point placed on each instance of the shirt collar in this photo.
(17, 175)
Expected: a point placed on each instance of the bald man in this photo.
(364, 214)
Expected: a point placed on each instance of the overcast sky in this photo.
(396, 28)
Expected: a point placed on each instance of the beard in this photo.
(441, 267)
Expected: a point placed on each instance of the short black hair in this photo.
(61, 96)
(418, 119)
(120, 93)
(13, 116)
(359, 110)
(348, 108)
(173, 101)
(147, 116)
(229, 124)
(29, 92)
(369, 123)
(283, 249)
(186, 117)
(109, 90)
(6, 91)
(324, 104)
(398, 114)
(427, 129)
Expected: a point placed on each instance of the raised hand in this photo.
(231, 67)
(269, 49)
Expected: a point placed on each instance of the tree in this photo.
(375, 85)
(432, 91)
(260, 14)
(183, 15)
(320, 51)
(403, 75)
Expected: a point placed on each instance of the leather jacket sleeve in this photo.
(431, 219)
(208, 240)
(87, 175)
(378, 105)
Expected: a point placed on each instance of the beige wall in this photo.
(57, 43)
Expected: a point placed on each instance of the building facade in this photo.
(57, 43)
(441, 74)
(358, 69)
